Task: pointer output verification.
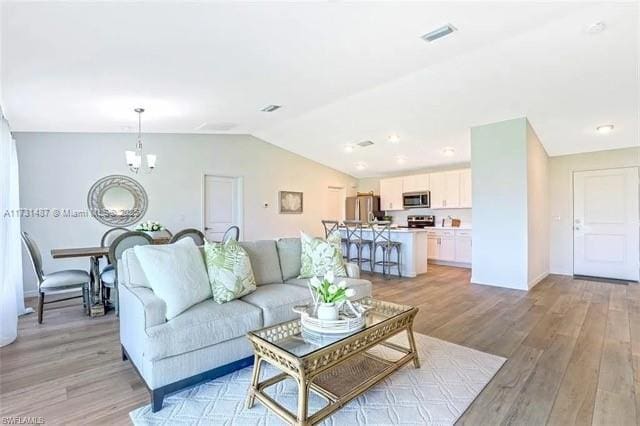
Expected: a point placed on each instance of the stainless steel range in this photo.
(421, 221)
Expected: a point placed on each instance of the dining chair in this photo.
(109, 278)
(233, 233)
(382, 239)
(110, 235)
(331, 226)
(59, 282)
(105, 241)
(355, 238)
(195, 234)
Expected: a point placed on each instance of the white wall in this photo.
(499, 164)
(57, 170)
(561, 197)
(537, 209)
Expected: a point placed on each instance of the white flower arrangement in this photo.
(149, 226)
(325, 291)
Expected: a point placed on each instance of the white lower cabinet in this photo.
(463, 246)
(449, 245)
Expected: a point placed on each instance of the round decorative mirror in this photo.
(117, 200)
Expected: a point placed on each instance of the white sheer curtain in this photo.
(11, 292)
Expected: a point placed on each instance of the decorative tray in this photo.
(351, 318)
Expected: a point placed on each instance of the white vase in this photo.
(156, 235)
(328, 311)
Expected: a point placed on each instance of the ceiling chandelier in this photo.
(134, 158)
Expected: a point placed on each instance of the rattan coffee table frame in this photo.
(308, 370)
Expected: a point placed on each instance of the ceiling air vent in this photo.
(271, 108)
(438, 33)
(365, 143)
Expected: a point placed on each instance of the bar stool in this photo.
(382, 239)
(354, 238)
(331, 226)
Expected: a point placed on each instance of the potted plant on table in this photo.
(328, 296)
(151, 228)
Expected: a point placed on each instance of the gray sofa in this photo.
(208, 340)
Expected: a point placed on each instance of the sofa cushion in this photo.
(320, 256)
(177, 274)
(362, 287)
(229, 270)
(204, 324)
(264, 261)
(277, 301)
(289, 250)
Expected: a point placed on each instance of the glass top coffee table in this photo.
(338, 368)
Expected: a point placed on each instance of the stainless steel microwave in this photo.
(414, 200)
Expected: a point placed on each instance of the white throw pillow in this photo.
(176, 273)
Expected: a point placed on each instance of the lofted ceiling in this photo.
(344, 73)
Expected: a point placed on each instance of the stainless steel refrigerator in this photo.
(363, 207)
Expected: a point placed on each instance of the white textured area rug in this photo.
(438, 393)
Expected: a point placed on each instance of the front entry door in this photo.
(605, 227)
(220, 206)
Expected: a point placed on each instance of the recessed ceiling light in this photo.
(393, 138)
(596, 27)
(605, 129)
(348, 148)
(438, 33)
(361, 165)
(401, 159)
(448, 151)
(271, 108)
(365, 143)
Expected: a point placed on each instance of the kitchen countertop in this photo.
(419, 230)
(396, 230)
(448, 228)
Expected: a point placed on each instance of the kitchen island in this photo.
(413, 250)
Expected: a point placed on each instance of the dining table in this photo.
(94, 253)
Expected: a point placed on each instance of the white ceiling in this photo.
(344, 72)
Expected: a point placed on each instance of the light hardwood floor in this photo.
(573, 350)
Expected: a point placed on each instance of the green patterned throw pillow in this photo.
(320, 256)
(229, 269)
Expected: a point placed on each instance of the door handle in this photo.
(206, 228)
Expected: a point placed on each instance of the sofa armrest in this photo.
(147, 308)
(140, 309)
(353, 271)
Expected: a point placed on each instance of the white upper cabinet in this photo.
(451, 189)
(415, 183)
(465, 188)
(438, 190)
(391, 190)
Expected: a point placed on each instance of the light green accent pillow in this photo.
(319, 256)
(229, 269)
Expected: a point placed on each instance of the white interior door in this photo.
(334, 204)
(221, 205)
(605, 227)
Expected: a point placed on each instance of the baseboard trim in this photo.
(474, 281)
(447, 263)
(537, 280)
(31, 293)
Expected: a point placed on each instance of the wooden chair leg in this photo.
(40, 307)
